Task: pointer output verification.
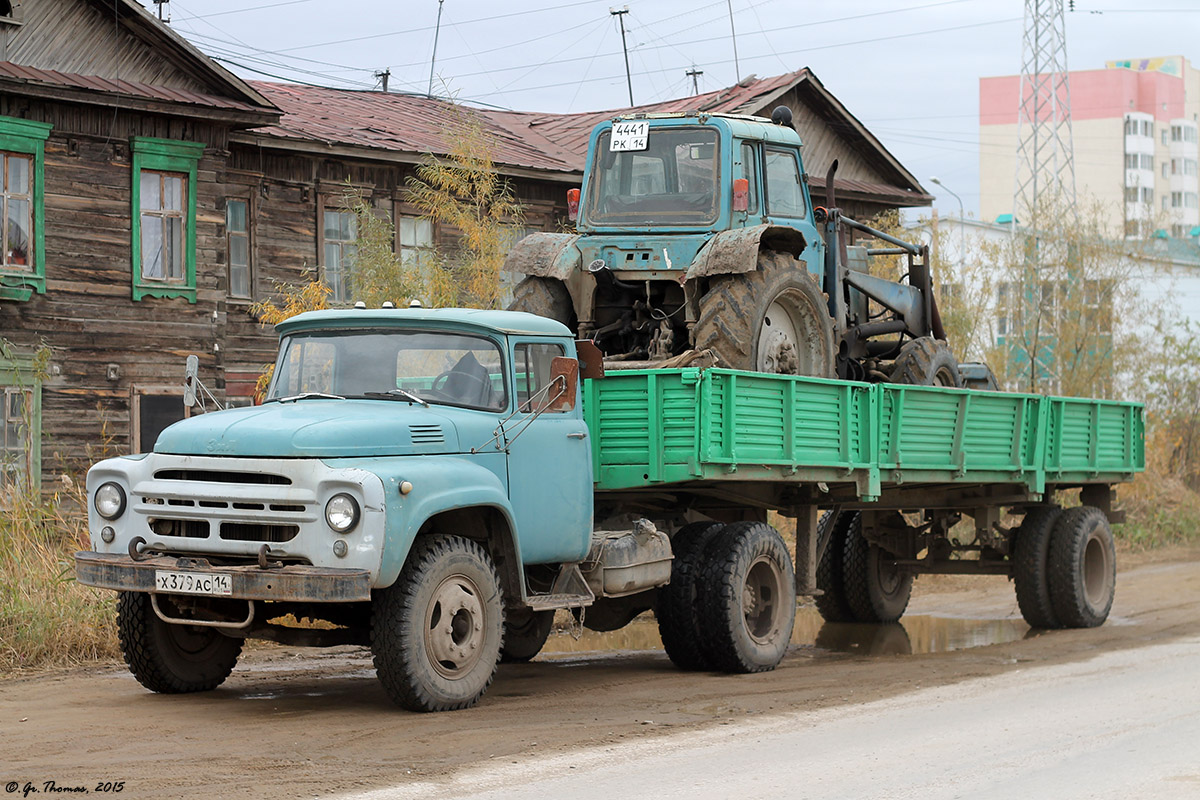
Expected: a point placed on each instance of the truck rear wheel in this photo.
(831, 580)
(926, 362)
(436, 632)
(1082, 567)
(774, 319)
(525, 633)
(170, 658)
(1030, 551)
(747, 598)
(675, 608)
(876, 589)
(546, 297)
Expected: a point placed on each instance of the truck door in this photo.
(549, 465)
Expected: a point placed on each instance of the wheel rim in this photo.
(944, 377)
(1097, 572)
(788, 344)
(454, 629)
(763, 600)
(888, 576)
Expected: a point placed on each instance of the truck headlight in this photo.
(109, 500)
(341, 512)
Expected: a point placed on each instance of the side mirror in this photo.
(564, 384)
(190, 373)
(741, 194)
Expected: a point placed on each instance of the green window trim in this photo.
(165, 155)
(29, 138)
(19, 371)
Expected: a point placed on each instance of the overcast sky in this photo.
(909, 69)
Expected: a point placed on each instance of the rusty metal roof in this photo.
(52, 78)
(395, 122)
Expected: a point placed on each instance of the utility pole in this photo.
(737, 70)
(620, 13)
(1045, 145)
(383, 76)
(695, 74)
(433, 61)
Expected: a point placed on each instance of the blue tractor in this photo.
(698, 241)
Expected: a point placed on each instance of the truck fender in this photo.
(438, 486)
(545, 255)
(736, 251)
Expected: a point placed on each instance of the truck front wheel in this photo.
(436, 632)
(171, 658)
(747, 598)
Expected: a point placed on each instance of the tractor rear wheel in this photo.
(774, 319)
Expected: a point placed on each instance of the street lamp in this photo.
(962, 225)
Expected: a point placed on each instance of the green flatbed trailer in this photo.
(900, 465)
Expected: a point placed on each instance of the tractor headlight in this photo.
(109, 500)
(341, 512)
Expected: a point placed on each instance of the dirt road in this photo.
(296, 723)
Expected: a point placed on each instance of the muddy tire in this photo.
(1031, 550)
(169, 658)
(831, 543)
(876, 591)
(926, 362)
(675, 606)
(1082, 568)
(747, 598)
(436, 632)
(546, 297)
(525, 633)
(773, 319)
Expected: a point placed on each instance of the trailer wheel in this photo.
(546, 297)
(170, 658)
(436, 632)
(1082, 567)
(926, 362)
(831, 544)
(1030, 551)
(675, 606)
(774, 319)
(747, 598)
(876, 589)
(525, 633)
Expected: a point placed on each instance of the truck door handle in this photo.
(577, 435)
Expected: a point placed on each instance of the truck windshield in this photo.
(447, 368)
(672, 180)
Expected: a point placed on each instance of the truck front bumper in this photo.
(293, 583)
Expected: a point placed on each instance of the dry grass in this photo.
(46, 618)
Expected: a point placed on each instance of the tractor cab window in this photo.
(671, 180)
(785, 195)
(748, 169)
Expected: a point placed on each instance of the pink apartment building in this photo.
(1136, 144)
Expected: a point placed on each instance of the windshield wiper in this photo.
(397, 394)
(305, 396)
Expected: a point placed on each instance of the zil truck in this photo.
(435, 484)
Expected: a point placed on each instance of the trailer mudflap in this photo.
(294, 582)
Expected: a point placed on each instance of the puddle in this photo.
(920, 633)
